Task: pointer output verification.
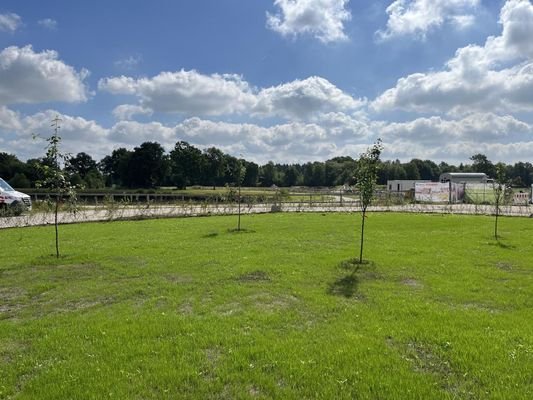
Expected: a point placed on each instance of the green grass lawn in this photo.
(188, 309)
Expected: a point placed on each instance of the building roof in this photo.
(463, 175)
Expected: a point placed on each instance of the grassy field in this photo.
(188, 309)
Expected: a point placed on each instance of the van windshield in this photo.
(5, 186)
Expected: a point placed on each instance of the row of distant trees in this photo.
(149, 166)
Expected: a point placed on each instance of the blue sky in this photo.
(281, 80)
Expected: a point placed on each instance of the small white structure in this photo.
(464, 177)
(402, 185)
(520, 199)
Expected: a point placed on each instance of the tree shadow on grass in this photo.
(502, 245)
(210, 235)
(242, 230)
(347, 285)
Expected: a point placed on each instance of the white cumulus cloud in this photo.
(418, 17)
(10, 22)
(497, 76)
(30, 77)
(302, 99)
(128, 63)
(48, 23)
(186, 92)
(322, 19)
(193, 94)
(127, 111)
(439, 132)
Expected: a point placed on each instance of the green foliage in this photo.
(148, 166)
(482, 164)
(366, 175)
(168, 309)
(20, 181)
(187, 164)
(55, 178)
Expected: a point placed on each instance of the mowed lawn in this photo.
(188, 309)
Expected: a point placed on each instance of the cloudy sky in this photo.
(281, 80)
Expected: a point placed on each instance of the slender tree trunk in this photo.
(496, 221)
(362, 237)
(56, 226)
(239, 223)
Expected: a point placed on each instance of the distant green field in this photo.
(189, 309)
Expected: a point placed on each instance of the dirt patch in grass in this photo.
(504, 266)
(62, 273)
(254, 276)
(253, 391)
(431, 360)
(213, 354)
(480, 307)
(10, 310)
(186, 308)
(412, 283)
(178, 279)
(82, 304)
(268, 302)
(10, 294)
(426, 360)
(10, 349)
(229, 309)
(11, 301)
(471, 306)
(40, 307)
(258, 302)
(130, 261)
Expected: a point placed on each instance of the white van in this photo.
(11, 201)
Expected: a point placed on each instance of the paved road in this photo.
(165, 211)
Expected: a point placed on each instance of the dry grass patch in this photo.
(504, 266)
(413, 283)
(254, 276)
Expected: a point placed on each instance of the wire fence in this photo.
(152, 206)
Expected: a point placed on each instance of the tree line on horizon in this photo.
(150, 166)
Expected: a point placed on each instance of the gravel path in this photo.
(166, 211)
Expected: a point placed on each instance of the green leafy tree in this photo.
(366, 175)
(268, 174)
(10, 165)
(186, 164)
(411, 170)
(84, 171)
(81, 164)
(20, 181)
(293, 176)
(115, 167)
(54, 178)
(215, 165)
(252, 174)
(148, 166)
(482, 164)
